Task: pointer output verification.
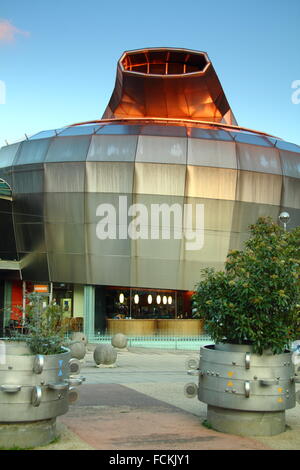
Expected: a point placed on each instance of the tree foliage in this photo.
(255, 300)
(45, 326)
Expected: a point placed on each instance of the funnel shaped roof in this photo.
(168, 83)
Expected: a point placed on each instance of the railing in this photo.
(159, 342)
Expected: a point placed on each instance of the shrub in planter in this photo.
(251, 310)
(44, 325)
(255, 300)
(35, 378)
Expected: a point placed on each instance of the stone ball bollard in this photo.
(119, 341)
(78, 349)
(79, 336)
(105, 354)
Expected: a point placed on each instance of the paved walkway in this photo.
(140, 404)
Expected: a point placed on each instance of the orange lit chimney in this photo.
(168, 83)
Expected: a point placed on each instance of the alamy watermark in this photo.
(296, 94)
(157, 222)
(2, 92)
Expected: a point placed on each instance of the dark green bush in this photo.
(255, 300)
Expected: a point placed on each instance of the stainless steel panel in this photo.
(67, 268)
(257, 187)
(218, 213)
(64, 207)
(32, 151)
(115, 177)
(150, 272)
(291, 193)
(65, 238)
(34, 266)
(64, 177)
(161, 150)
(212, 153)
(7, 155)
(68, 149)
(290, 163)
(115, 200)
(109, 148)
(28, 179)
(112, 247)
(160, 179)
(261, 159)
(30, 237)
(108, 270)
(212, 183)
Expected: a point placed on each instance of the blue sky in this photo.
(58, 59)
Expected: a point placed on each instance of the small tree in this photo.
(255, 300)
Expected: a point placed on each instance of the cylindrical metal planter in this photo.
(34, 390)
(246, 393)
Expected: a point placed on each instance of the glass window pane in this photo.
(163, 130)
(7, 154)
(262, 159)
(108, 148)
(254, 139)
(45, 134)
(80, 130)
(120, 129)
(161, 150)
(68, 149)
(282, 145)
(212, 153)
(198, 133)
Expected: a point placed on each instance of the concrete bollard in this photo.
(105, 355)
(119, 341)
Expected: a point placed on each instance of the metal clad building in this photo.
(168, 136)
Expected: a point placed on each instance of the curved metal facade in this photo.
(59, 178)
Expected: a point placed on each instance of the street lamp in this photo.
(284, 218)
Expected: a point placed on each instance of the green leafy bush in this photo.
(255, 300)
(44, 325)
